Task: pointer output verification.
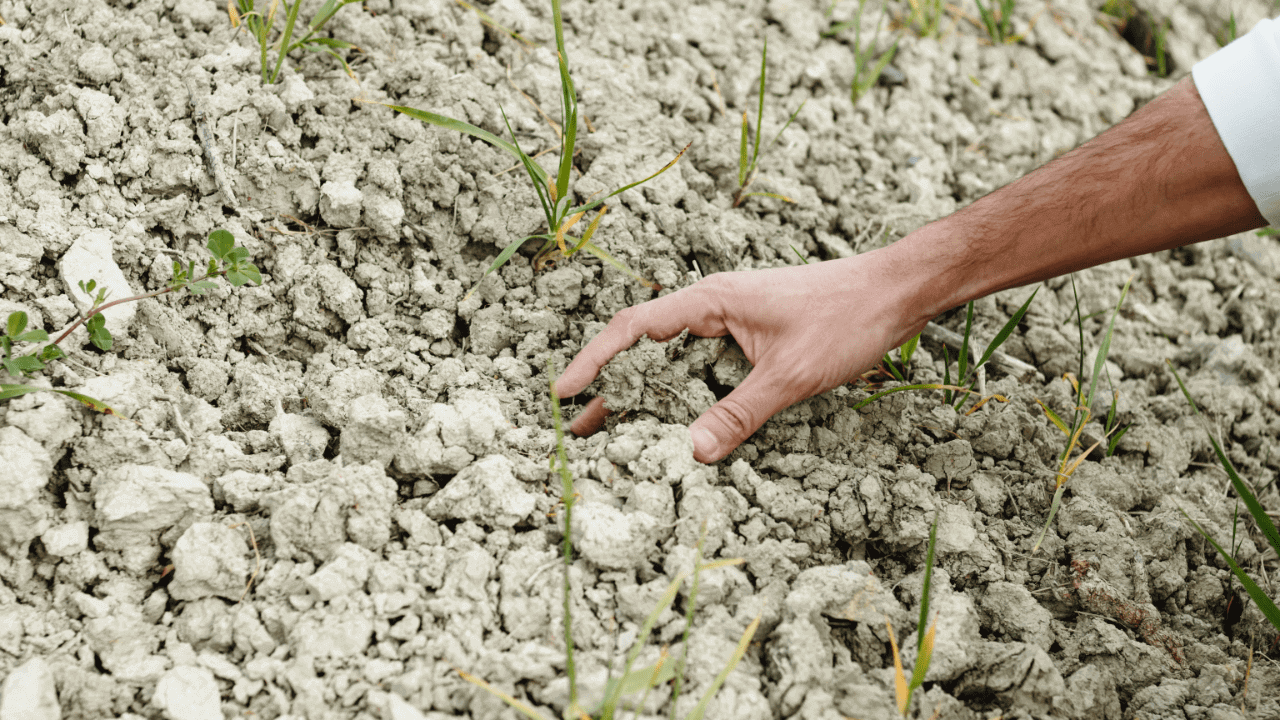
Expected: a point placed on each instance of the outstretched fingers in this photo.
(660, 319)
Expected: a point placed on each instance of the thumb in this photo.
(728, 423)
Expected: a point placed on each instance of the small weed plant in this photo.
(903, 687)
(925, 16)
(554, 192)
(259, 23)
(997, 20)
(229, 261)
(633, 681)
(955, 394)
(1259, 514)
(749, 148)
(1083, 412)
(868, 61)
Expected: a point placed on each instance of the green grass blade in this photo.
(785, 125)
(537, 176)
(12, 391)
(1242, 489)
(743, 161)
(1101, 360)
(568, 497)
(520, 707)
(503, 257)
(745, 642)
(1115, 440)
(465, 128)
(1007, 330)
(1053, 511)
(928, 580)
(664, 602)
(962, 373)
(908, 350)
(892, 369)
(619, 265)
(764, 69)
(775, 196)
(595, 203)
(1053, 417)
(946, 373)
(806, 262)
(1265, 604)
(290, 19)
(903, 388)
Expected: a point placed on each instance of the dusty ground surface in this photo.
(387, 441)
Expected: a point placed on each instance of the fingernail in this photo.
(704, 443)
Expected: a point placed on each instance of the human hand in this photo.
(805, 329)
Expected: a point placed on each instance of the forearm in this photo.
(1160, 179)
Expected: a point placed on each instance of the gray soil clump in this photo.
(325, 495)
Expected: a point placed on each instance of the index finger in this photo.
(661, 319)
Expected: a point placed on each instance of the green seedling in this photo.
(967, 375)
(228, 261)
(1268, 232)
(998, 20)
(926, 16)
(1227, 35)
(1082, 413)
(904, 688)
(258, 25)
(553, 192)
(868, 61)
(749, 148)
(1162, 39)
(1259, 514)
(633, 680)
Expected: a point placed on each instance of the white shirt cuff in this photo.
(1240, 86)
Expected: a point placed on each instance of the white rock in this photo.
(375, 431)
(90, 258)
(188, 693)
(241, 489)
(611, 538)
(486, 492)
(66, 540)
(399, 709)
(29, 693)
(27, 467)
(133, 504)
(209, 559)
(341, 204)
(345, 573)
(303, 438)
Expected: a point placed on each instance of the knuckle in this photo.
(736, 418)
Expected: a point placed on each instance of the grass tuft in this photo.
(1082, 413)
(245, 13)
(997, 20)
(553, 192)
(749, 146)
(1259, 514)
(868, 61)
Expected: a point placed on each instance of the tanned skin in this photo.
(1160, 179)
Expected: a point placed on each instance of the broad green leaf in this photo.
(220, 243)
(24, 364)
(16, 324)
(237, 278)
(51, 352)
(98, 333)
(12, 391)
(251, 271)
(36, 335)
(1008, 328)
(202, 287)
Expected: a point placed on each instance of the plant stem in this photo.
(97, 310)
(567, 497)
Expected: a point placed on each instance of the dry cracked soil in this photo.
(370, 447)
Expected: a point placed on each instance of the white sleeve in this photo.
(1240, 86)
